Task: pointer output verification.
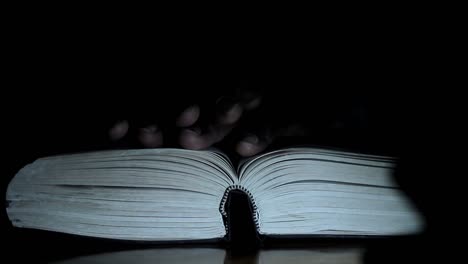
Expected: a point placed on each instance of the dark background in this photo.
(60, 98)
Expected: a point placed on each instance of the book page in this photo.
(304, 191)
(145, 194)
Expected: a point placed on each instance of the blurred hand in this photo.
(195, 134)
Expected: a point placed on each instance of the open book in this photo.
(176, 194)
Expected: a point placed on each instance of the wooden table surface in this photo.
(213, 255)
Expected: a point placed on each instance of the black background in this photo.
(62, 92)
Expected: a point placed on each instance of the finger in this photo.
(195, 138)
(253, 103)
(150, 136)
(189, 116)
(228, 111)
(250, 100)
(118, 130)
(251, 145)
(192, 138)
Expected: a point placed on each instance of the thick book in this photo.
(184, 195)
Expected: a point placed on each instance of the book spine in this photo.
(222, 207)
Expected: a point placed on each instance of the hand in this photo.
(200, 130)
